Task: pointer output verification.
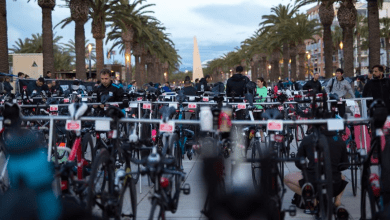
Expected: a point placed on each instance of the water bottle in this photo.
(206, 119)
(374, 181)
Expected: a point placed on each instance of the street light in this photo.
(341, 55)
(308, 64)
(165, 76)
(127, 57)
(90, 50)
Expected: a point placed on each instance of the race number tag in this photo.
(84, 99)
(73, 125)
(133, 105)
(205, 99)
(192, 106)
(281, 108)
(275, 125)
(191, 98)
(66, 100)
(241, 106)
(139, 99)
(147, 106)
(127, 109)
(102, 125)
(54, 108)
(335, 124)
(168, 127)
(173, 105)
(14, 100)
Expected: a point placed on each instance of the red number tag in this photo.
(192, 106)
(167, 127)
(275, 125)
(139, 99)
(281, 108)
(205, 99)
(147, 106)
(54, 108)
(73, 125)
(66, 100)
(241, 106)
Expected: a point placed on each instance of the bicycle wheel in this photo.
(324, 180)
(128, 198)
(102, 176)
(354, 167)
(367, 202)
(281, 154)
(88, 147)
(157, 208)
(299, 134)
(176, 179)
(135, 167)
(256, 167)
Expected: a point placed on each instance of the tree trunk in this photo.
(374, 43)
(80, 50)
(47, 38)
(358, 42)
(302, 72)
(293, 57)
(264, 68)
(348, 52)
(100, 55)
(150, 71)
(326, 12)
(144, 79)
(275, 71)
(137, 76)
(285, 60)
(387, 51)
(4, 65)
(129, 70)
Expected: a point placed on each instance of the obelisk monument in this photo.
(197, 71)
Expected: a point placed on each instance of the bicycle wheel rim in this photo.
(135, 167)
(354, 168)
(256, 169)
(325, 186)
(128, 200)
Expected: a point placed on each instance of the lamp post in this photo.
(341, 55)
(165, 77)
(308, 65)
(90, 52)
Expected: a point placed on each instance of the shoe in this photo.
(308, 197)
(341, 213)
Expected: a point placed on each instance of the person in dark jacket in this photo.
(236, 83)
(35, 86)
(107, 88)
(378, 87)
(295, 85)
(189, 89)
(203, 82)
(7, 86)
(338, 154)
(313, 84)
(280, 85)
(56, 88)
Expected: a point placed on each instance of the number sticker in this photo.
(192, 105)
(102, 125)
(139, 99)
(281, 108)
(191, 98)
(84, 99)
(14, 100)
(205, 99)
(241, 106)
(168, 127)
(335, 124)
(54, 108)
(147, 106)
(133, 105)
(127, 109)
(73, 125)
(66, 100)
(275, 125)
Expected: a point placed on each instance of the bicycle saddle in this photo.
(272, 114)
(77, 110)
(249, 98)
(115, 112)
(181, 97)
(167, 112)
(51, 101)
(333, 96)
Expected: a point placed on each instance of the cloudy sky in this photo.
(219, 25)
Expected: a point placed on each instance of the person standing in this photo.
(313, 84)
(236, 84)
(7, 86)
(48, 75)
(203, 82)
(188, 89)
(378, 87)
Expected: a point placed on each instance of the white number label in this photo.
(241, 106)
(102, 125)
(205, 99)
(127, 109)
(66, 100)
(84, 99)
(168, 127)
(335, 124)
(73, 125)
(54, 108)
(133, 105)
(139, 99)
(275, 125)
(173, 105)
(281, 108)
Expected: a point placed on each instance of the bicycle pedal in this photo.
(308, 193)
(186, 189)
(292, 154)
(341, 213)
(292, 210)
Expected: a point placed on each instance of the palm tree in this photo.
(326, 12)
(337, 37)
(374, 43)
(282, 13)
(4, 65)
(361, 30)
(47, 34)
(79, 10)
(71, 48)
(347, 15)
(385, 33)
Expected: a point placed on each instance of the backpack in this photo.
(331, 86)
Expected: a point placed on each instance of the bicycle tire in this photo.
(176, 179)
(281, 154)
(100, 180)
(366, 193)
(255, 166)
(354, 167)
(161, 212)
(135, 167)
(299, 134)
(325, 183)
(88, 147)
(124, 203)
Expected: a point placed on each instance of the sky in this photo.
(219, 25)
